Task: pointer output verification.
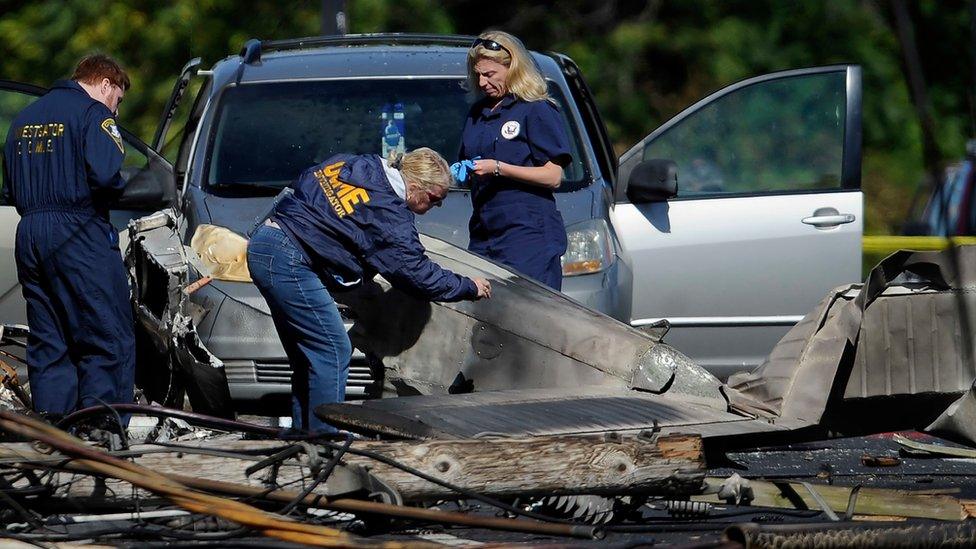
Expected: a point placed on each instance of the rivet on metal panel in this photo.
(652, 435)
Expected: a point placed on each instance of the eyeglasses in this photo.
(490, 45)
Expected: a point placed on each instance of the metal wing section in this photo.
(526, 337)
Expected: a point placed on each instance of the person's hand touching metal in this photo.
(484, 287)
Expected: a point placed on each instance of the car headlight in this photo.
(588, 248)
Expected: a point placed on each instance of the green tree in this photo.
(644, 60)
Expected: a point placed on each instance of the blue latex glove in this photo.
(460, 170)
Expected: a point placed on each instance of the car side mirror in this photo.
(148, 190)
(654, 180)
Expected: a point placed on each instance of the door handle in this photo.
(828, 220)
(825, 218)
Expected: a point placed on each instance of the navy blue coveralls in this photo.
(343, 224)
(62, 159)
(515, 223)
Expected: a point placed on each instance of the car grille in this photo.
(361, 381)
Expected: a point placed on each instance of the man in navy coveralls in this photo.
(61, 163)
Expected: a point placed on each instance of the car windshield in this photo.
(266, 134)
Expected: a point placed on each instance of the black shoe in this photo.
(51, 417)
(102, 431)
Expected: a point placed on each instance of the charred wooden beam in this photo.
(554, 465)
(667, 465)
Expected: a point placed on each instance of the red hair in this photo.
(93, 68)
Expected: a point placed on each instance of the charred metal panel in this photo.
(160, 270)
(905, 333)
(157, 265)
(958, 421)
(900, 337)
(536, 413)
(526, 337)
(781, 376)
(912, 341)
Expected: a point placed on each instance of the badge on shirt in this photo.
(113, 131)
(510, 129)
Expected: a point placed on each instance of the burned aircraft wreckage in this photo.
(528, 398)
(532, 362)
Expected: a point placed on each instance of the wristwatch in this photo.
(498, 170)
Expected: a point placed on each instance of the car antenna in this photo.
(250, 55)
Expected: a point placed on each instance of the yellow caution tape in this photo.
(887, 244)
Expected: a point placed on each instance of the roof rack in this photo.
(253, 48)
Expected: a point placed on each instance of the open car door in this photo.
(149, 187)
(766, 219)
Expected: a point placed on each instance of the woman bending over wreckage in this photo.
(349, 218)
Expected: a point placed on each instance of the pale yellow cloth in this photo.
(222, 251)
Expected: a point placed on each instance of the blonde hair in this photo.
(422, 166)
(524, 79)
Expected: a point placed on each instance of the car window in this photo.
(134, 158)
(184, 118)
(266, 134)
(781, 135)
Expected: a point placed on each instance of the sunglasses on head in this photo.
(490, 45)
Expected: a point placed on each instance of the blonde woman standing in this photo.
(515, 132)
(349, 218)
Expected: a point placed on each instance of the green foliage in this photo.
(644, 60)
(44, 39)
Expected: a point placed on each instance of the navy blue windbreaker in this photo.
(63, 153)
(349, 222)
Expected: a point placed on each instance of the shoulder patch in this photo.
(108, 125)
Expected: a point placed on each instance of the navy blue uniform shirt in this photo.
(350, 223)
(513, 222)
(63, 153)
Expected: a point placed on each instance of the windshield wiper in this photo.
(252, 185)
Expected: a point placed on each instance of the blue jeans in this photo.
(308, 324)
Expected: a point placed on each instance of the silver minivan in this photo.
(764, 218)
